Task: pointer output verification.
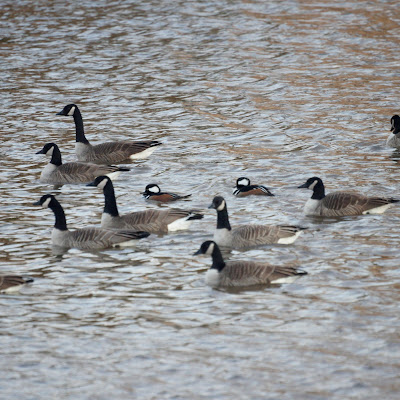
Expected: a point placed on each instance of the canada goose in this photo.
(154, 193)
(245, 236)
(338, 204)
(12, 283)
(86, 238)
(394, 138)
(243, 273)
(153, 221)
(109, 152)
(243, 188)
(58, 173)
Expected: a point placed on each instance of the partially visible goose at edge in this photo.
(339, 204)
(153, 221)
(109, 152)
(244, 273)
(85, 238)
(13, 283)
(154, 193)
(246, 236)
(57, 173)
(243, 188)
(394, 138)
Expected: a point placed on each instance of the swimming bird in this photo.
(109, 152)
(58, 173)
(85, 238)
(243, 188)
(245, 236)
(244, 273)
(13, 283)
(339, 204)
(154, 193)
(153, 221)
(394, 138)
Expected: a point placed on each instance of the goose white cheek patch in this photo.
(102, 184)
(71, 111)
(210, 249)
(221, 207)
(46, 203)
(312, 186)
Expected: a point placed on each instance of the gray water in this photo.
(277, 91)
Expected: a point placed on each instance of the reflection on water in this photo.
(275, 91)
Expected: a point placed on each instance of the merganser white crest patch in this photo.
(244, 182)
(154, 189)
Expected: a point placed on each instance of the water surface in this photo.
(276, 91)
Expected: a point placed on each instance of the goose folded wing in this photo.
(99, 238)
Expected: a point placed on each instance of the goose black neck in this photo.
(218, 262)
(80, 133)
(110, 203)
(223, 219)
(61, 223)
(56, 156)
(318, 191)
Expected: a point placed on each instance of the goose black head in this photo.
(242, 182)
(48, 149)
(68, 110)
(100, 182)
(45, 201)
(207, 247)
(311, 183)
(218, 203)
(395, 124)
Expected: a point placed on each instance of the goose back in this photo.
(153, 221)
(248, 273)
(109, 152)
(246, 236)
(243, 273)
(114, 152)
(256, 235)
(58, 173)
(393, 139)
(12, 283)
(338, 204)
(94, 238)
(77, 173)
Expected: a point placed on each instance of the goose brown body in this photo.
(57, 173)
(153, 220)
(246, 236)
(108, 152)
(10, 283)
(85, 238)
(243, 273)
(339, 204)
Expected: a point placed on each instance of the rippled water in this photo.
(277, 91)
